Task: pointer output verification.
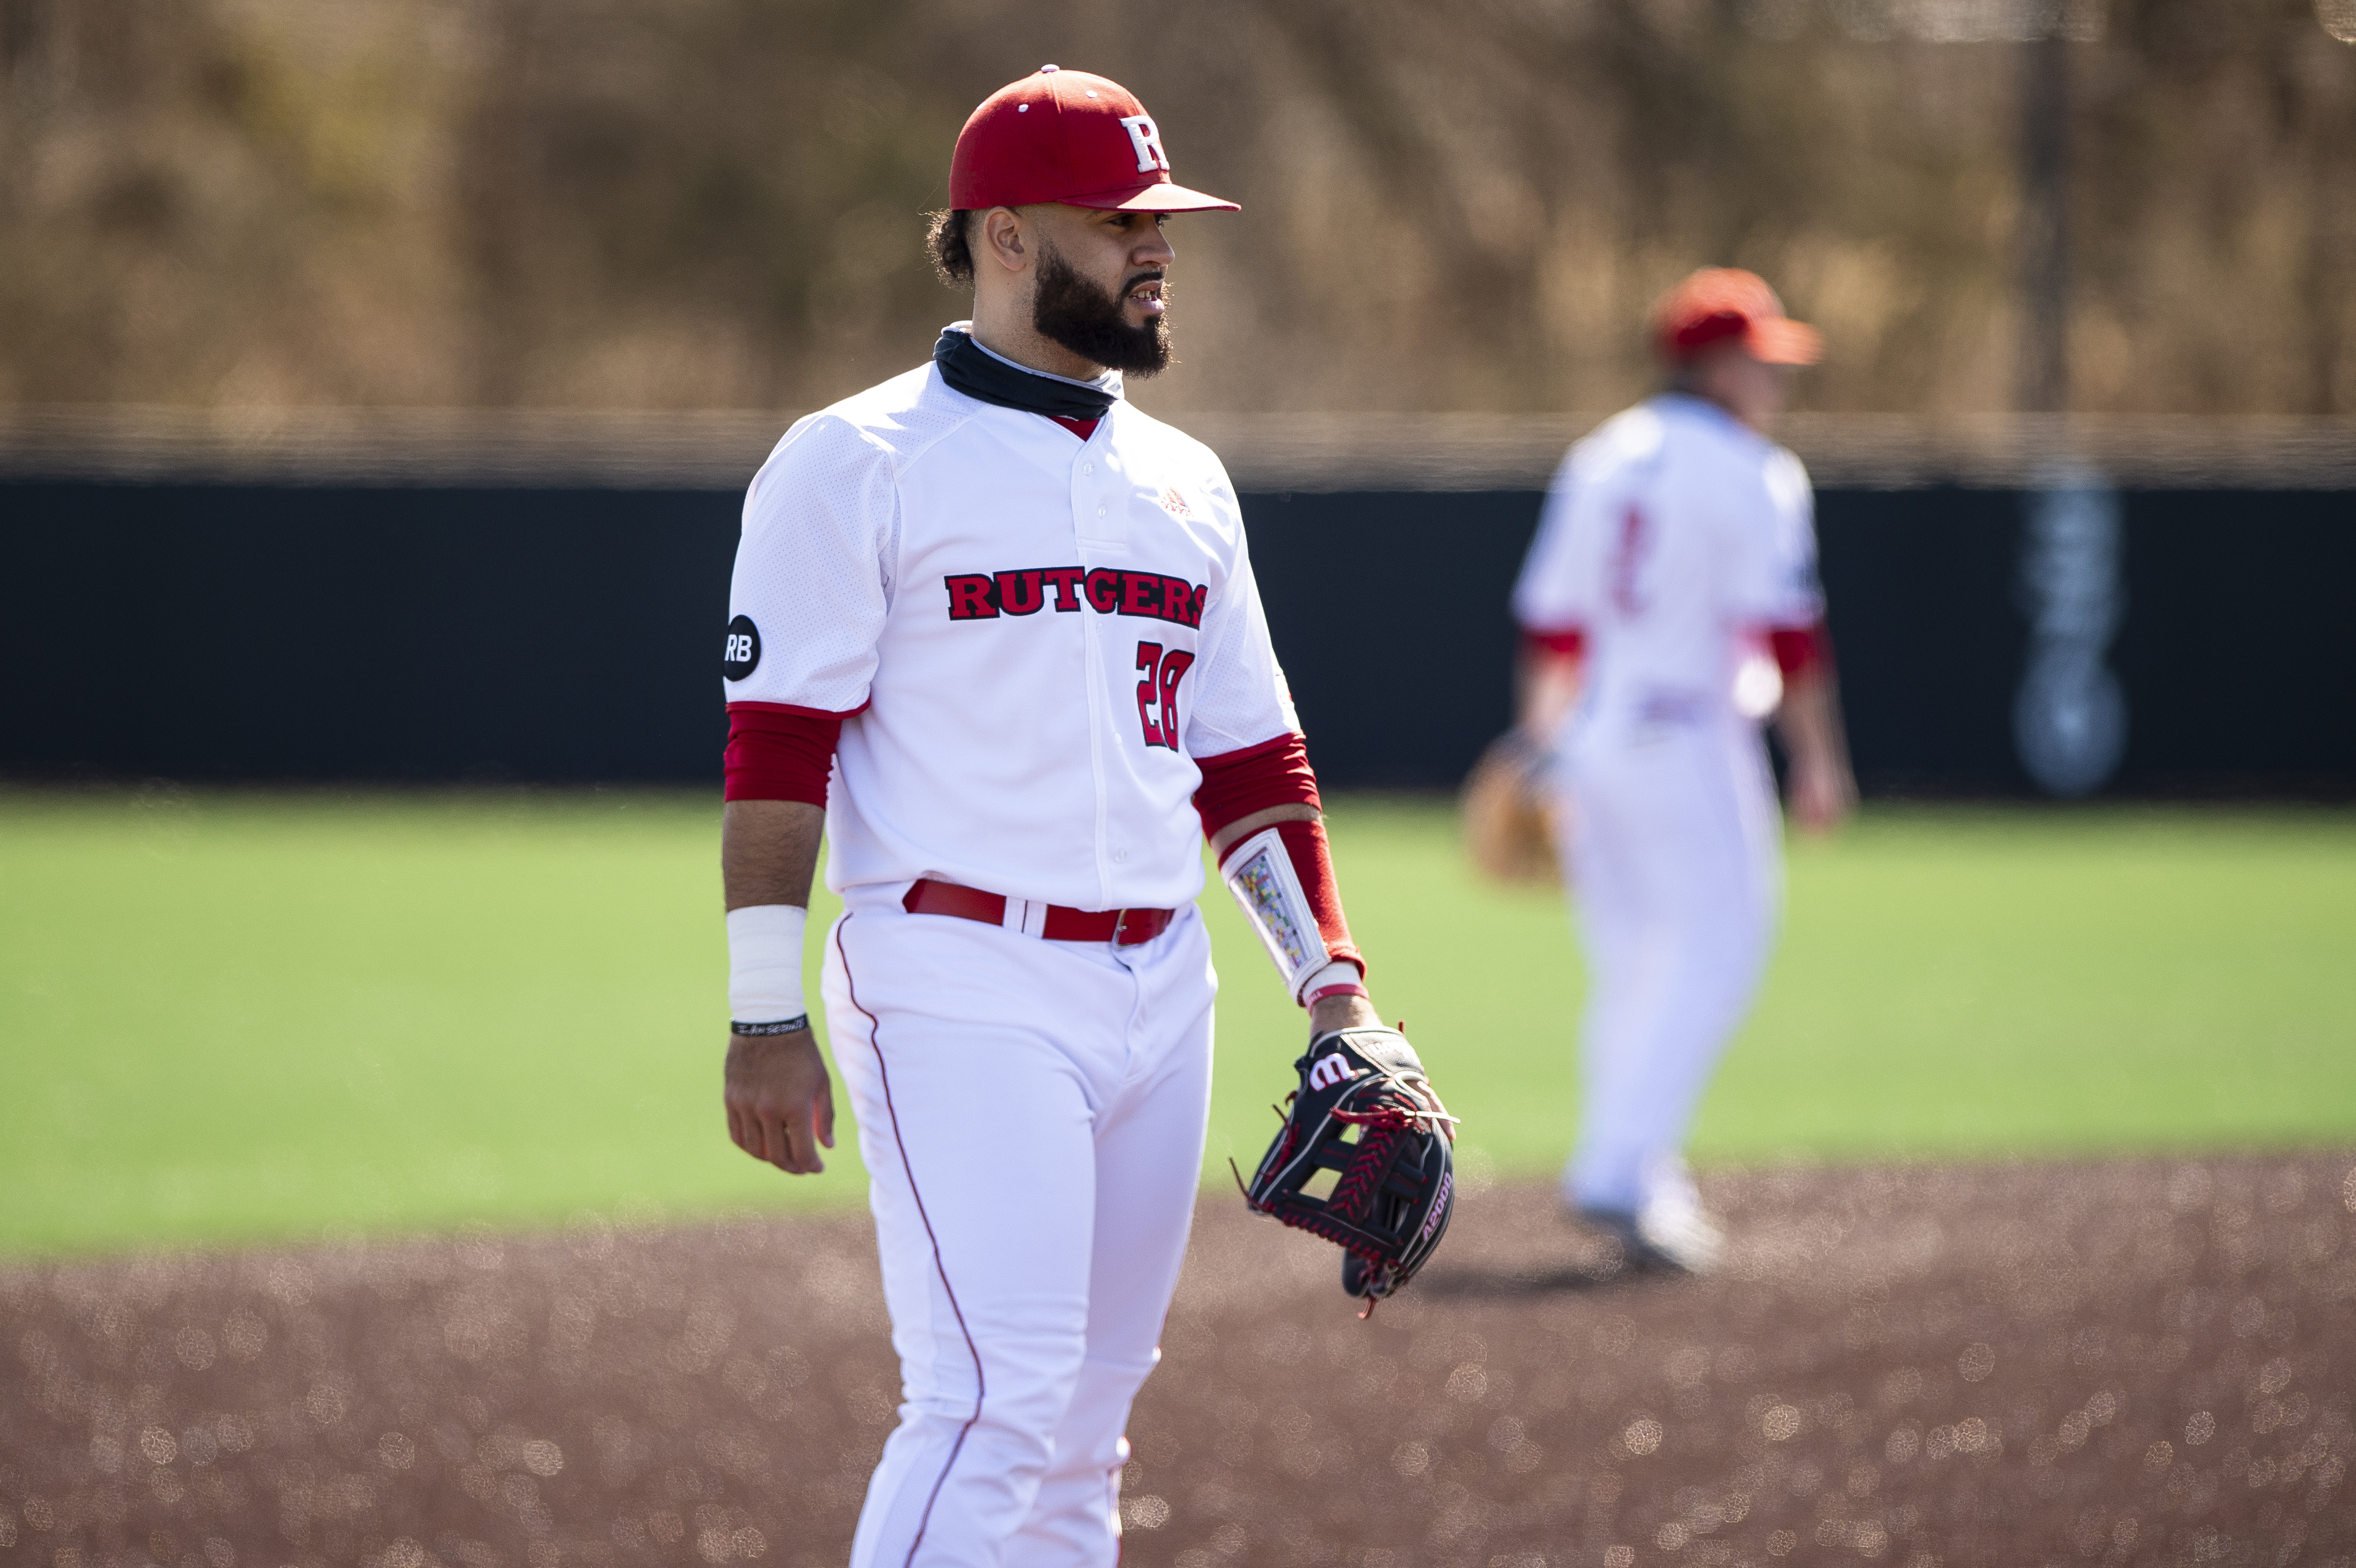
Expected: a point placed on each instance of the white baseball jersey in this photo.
(1672, 534)
(1034, 636)
(1030, 637)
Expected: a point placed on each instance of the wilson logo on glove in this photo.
(1328, 1070)
(1364, 1159)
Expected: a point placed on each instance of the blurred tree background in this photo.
(716, 203)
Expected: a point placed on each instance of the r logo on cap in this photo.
(1147, 141)
(1070, 137)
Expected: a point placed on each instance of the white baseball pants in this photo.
(1032, 1115)
(1674, 862)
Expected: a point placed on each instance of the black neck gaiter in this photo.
(973, 370)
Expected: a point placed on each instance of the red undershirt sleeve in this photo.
(1802, 649)
(1569, 641)
(1237, 784)
(1277, 772)
(779, 753)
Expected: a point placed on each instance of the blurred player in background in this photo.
(1669, 598)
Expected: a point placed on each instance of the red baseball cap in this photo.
(1066, 136)
(1720, 303)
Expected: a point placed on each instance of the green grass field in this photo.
(236, 1016)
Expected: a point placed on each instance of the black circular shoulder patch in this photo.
(744, 654)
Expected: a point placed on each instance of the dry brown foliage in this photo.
(716, 203)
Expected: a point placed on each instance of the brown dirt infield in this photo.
(2017, 1364)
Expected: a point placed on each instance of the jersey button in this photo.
(1119, 855)
(1087, 468)
(1101, 511)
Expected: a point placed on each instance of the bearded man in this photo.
(995, 632)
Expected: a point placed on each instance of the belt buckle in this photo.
(1120, 925)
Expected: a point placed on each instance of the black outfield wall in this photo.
(219, 633)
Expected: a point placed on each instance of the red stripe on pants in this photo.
(980, 1388)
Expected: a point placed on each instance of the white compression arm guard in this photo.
(1260, 872)
(765, 962)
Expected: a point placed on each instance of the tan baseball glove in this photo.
(1511, 826)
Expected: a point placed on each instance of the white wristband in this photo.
(765, 962)
(1341, 976)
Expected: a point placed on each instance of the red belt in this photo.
(1124, 927)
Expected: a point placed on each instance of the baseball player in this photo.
(1671, 587)
(995, 631)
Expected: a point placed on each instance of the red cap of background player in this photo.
(1721, 303)
(1066, 136)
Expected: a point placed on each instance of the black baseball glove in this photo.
(1363, 1160)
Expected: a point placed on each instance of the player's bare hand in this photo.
(780, 1100)
(1823, 793)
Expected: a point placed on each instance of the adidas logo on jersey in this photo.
(1174, 504)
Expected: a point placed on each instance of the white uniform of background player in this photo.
(1019, 616)
(1675, 550)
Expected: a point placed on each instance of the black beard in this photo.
(1074, 311)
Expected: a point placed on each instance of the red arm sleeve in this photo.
(1237, 784)
(1802, 649)
(1569, 642)
(1277, 772)
(777, 754)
